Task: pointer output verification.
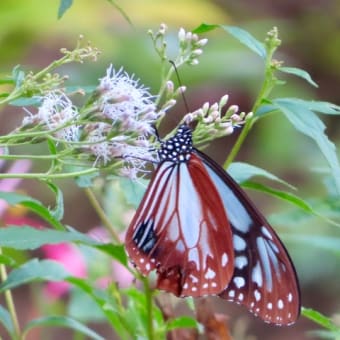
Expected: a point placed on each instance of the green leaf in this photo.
(307, 122)
(300, 73)
(62, 321)
(203, 28)
(313, 105)
(242, 172)
(182, 322)
(32, 271)
(7, 260)
(26, 101)
(293, 199)
(240, 34)
(33, 205)
(246, 39)
(133, 190)
(86, 181)
(58, 211)
(115, 251)
(25, 237)
(18, 75)
(121, 11)
(108, 305)
(63, 7)
(317, 241)
(6, 320)
(319, 318)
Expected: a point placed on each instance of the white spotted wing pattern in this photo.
(198, 229)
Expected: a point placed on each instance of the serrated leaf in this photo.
(242, 172)
(181, 322)
(307, 122)
(283, 195)
(319, 318)
(32, 271)
(25, 237)
(299, 73)
(33, 205)
(62, 321)
(246, 39)
(6, 320)
(63, 7)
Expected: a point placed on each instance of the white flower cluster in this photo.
(213, 123)
(124, 114)
(58, 115)
(191, 45)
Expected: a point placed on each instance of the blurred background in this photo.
(32, 36)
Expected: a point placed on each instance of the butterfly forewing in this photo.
(264, 278)
(181, 230)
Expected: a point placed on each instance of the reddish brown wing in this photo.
(181, 230)
(264, 278)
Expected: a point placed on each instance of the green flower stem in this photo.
(10, 302)
(237, 146)
(149, 307)
(47, 176)
(99, 210)
(268, 84)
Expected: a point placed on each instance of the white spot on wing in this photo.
(193, 256)
(240, 262)
(290, 297)
(231, 293)
(239, 243)
(239, 281)
(224, 259)
(280, 304)
(210, 274)
(266, 232)
(256, 275)
(269, 305)
(257, 295)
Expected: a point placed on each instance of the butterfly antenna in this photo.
(180, 84)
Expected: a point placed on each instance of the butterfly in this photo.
(201, 233)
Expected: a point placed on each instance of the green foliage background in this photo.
(31, 36)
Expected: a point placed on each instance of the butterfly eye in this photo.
(198, 229)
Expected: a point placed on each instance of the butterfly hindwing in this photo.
(264, 278)
(181, 230)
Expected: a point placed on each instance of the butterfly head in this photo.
(178, 148)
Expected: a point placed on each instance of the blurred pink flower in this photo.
(10, 184)
(73, 261)
(120, 273)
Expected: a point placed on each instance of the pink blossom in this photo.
(71, 258)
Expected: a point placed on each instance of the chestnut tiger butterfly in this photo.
(199, 230)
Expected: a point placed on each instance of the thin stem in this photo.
(237, 146)
(149, 310)
(10, 302)
(267, 86)
(99, 210)
(46, 176)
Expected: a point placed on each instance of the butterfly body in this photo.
(197, 228)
